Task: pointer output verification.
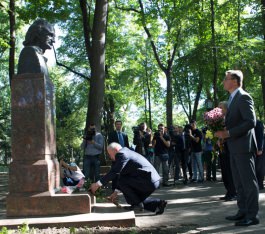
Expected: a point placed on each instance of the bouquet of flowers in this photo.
(214, 119)
(209, 135)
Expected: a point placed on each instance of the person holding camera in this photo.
(92, 145)
(196, 153)
(142, 140)
(177, 153)
(185, 132)
(161, 144)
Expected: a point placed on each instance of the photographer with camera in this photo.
(196, 152)
(161, 144)
(93, 143)
(142, 140)
(185, 132)
(177, 153)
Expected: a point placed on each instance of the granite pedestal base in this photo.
(45, 204)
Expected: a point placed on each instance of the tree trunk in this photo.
(12, 22)
(169, 101)
(96, 54)
(215, 68)
(97, 64)
(263, 60)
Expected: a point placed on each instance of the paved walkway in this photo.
(194, 208)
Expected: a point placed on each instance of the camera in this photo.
(136, 129)
(90, 133)
(187, 129)
(157, 133)
(171, 131)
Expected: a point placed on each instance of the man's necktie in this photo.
(121, 141)
(229, 101)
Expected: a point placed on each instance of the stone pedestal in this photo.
(34, 172)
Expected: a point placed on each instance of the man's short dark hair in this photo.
(118, 121)
(192, 121)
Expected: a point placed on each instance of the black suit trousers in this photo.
(227, 174)
(260, 169)
(244, 176)
(137, 189)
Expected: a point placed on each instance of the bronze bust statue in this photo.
(39, 37)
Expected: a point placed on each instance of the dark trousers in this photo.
(244, 176)
(137, 189)
(260, 168)
(180, 160)
(227, 174)
(188, 162)
(210, 162)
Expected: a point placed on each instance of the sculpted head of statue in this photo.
(41, 34)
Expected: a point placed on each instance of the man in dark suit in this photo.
(240, 121)
(118, 136)
(137, 179)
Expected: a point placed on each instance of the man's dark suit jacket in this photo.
(129, 163)
(113, 137)
(240, 121)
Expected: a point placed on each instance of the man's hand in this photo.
(93, 188)
(259, 152)
(113, 197)
(222, 134)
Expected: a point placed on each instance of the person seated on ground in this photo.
(137, 179)
(71, 174)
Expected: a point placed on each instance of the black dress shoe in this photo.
(247, 222)
(138, 207)
(223, 198)
(231, 198)
(161, 207)
(236, 217)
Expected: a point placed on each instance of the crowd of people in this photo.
(188, 155)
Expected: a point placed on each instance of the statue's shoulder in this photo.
(30, 50)
(29, 60)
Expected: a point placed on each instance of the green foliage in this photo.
(73, 230)
(4, 230)
(70, 116)
(131, 66)
(24, 228)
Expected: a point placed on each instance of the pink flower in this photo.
(214, 119)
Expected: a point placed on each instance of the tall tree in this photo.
(263, 57)
(95, 49)
(12, 23)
